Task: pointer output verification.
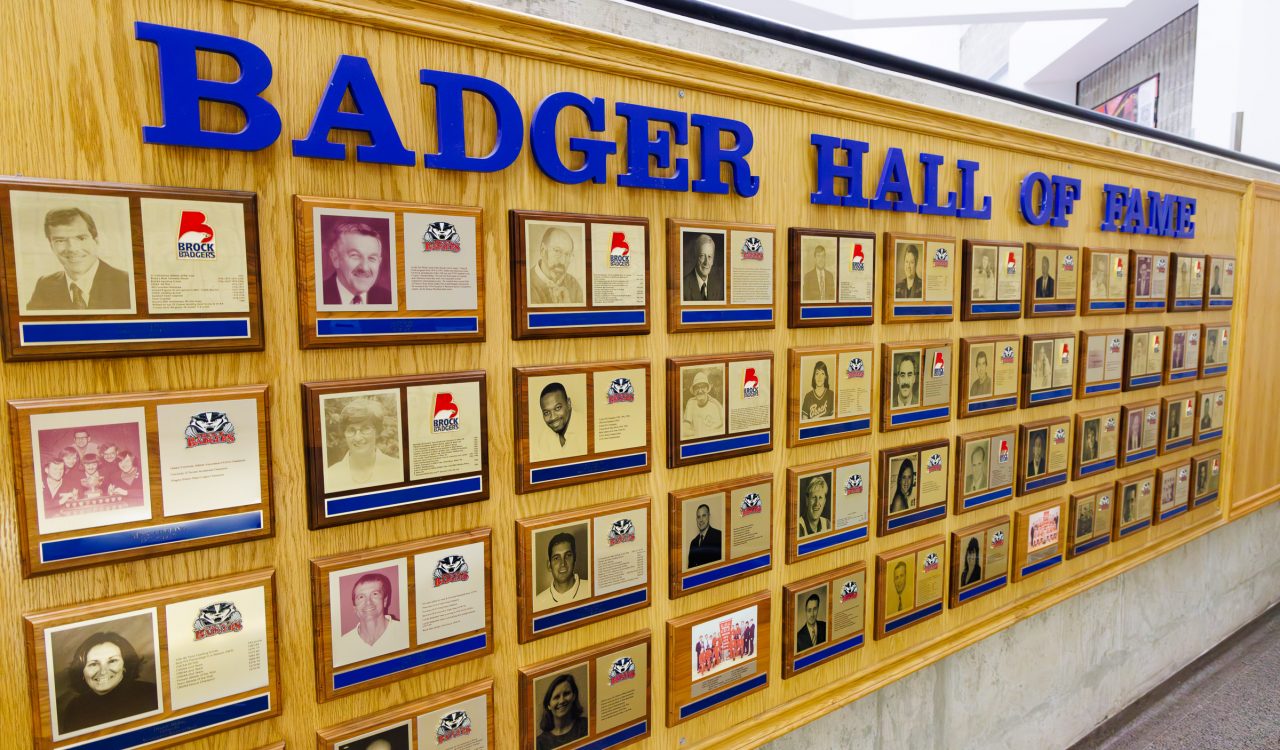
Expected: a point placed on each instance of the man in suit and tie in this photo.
(705, 281)
(1044, 282)
(819, 284)
(814, 631)
(86, 282)
(1035, 461)
(705, 547)
(355, 257)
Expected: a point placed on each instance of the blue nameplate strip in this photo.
(728, 694)
(1165, 516)
(827, 542)
(1084, 547)
(194, 722)
(994, 403)
(1211, 434)
(1187, 304)
(574, 614)
(586, 318)
(1107, 305)
(723, 445)
(1215, 370)
(618, 737)
(1136, 527)
(1207, 498)
(1053, 394)
(920, 416)
(1220, 303)
(1037, 567)
(808, 660)
(587, 468)
(922, 310)
(1139, 456)
(914, 617)
(1148, 304)
(396, 326)
(920, 516)
(110, 331)
(833, 313)
(1089, 390)
(835, 428)
(1048, 481)
(989, 308)
(1085, 471)
(1183, 375)
(149, 536)
(1048, 307)
(750, 565)
(403, 496)
(1179, 443)
(1145, 379)
(406, 662)
(744, 315)
(984, 588)
(987, 498)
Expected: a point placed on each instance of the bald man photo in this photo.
(703, 267)
(558, 265)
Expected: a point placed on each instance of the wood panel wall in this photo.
(81, 87)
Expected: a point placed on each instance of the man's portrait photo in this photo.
(395, 738)
(1089, 440)
(361, 439)
(561, 564)
(980, 384)
(1173, 421)
(103, 672)
(1084, 519)
(1036, 459)
(1098, 268)
(1041, 365)
(557, 416)
(1142, 277)
(899, 595)
(368, 611)
(702, 266)
(702, 393)
(703, 520)
(1177, 350)
(72, 253)
(982, 274)
(811, 612)
(1206, 412)
(355, 261)
(977, 470)
(1213, 353)
(1129, 504)
(1133, 431)
(908, 262)
(1047, 269)
(815, 505)
(556, 263)
(903, 471)
(562, 716)
(818, 282)
(906, 379)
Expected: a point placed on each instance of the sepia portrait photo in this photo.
(818, 258)
(818, 399)
(562, 702)
(560, 565)
(702, 266)
(360, 435)
(815, 506)
(702, 530)
(904, 492)
(908, 283)
(555, 255)
(906, 379)
(386, 738)
(702, 398)
(557, 416)
(982, 273)
(811, 613)
(1046, 269)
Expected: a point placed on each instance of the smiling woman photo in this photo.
(104, 675)
(562, 719)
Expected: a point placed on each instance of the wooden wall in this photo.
(81, 87)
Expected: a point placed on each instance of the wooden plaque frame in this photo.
(1186, 405)
(1221, 301)
(592, 465)
(925, 309)
(1113, 340)
(1100, 501)
(629, 730)
(1108, 421)
(888, 483)
(996, 534)
(1144, 485)
(1209, 369)
(719, 315)
(833, 537)
(395, 323)
(1171, 481)
(1194, 300)
(1111, 303)
(936, 546)
(1190, 369)
(1147, 449)
(1002, 443)
(1006, 349)
(585, 319)
(843, 582)
(1057, 429)
(345, 506)
(897, 418)
(1046, 557)
(853, 361)
(998, 308)
(158, 533)
(1213, 460)
(407, 714)
(416, 657)
(1150, 302)
(801, 314)
(728, 443)
(530, 556)
(686, 579)
(169, 726)
(1150, 377)
(1066, 258)
(682, 704)
(29, 337)
(1055, 393)
(1212, 432)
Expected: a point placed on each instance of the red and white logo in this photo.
(1011, 264)
(446, 414)
(195, 237)
(858, 261)
(750, 384)
(619, 251)
(939, 365)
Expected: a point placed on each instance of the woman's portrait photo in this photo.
(819, 400)
(395, 738)
(561, 713)
(103, 673)
(903, 469)
(971, 572)
(361, 438)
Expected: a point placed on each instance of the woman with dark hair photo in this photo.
(904, 492)
(103, 675)
(820, 401)
(562, 719)
(972, 571)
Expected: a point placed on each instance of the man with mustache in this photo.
(550, 282)
(557, 414)
(86, 282)
(906, 375)
(355, 255)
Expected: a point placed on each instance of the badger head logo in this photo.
(209, 427)
(453, 725)
(622, 669)
(622, 530)
(216, 619)
(441, 236)
(451, 569)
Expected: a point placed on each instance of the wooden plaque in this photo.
(831, 278)
(914, 484)
(581, 566)
(985, 468)
(1040, 542)
(1173, 491)
(1097, 442)
(916, 387)
(719, 276)
(830, 393)
(1182, 353)
(1148, 281)
(1044, 454)
(1048, 368)
(992, 275)
(423, 441)
(736, 540)
(1207, 478)
(409, 583)
(990, 374)
(1144, 360)
(909, 585)
(919, 278)
(716, 656)
(1211, 414)
(607, 688)
(1136, 495)
(108, 270)
(198, 659)
(102, 479)
(1106, 291)
(578, 275)
(462, 717)
(823, 617)
(1101, 359)
(1139, 431)
(1213, 354)
(980, 560)
(828, 506)
(1186, 289)
(1052, 280)
(1091, 519)
(736, 419)
(1177, 429)
(1220, 288)
(581, 423)
(378, 273)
